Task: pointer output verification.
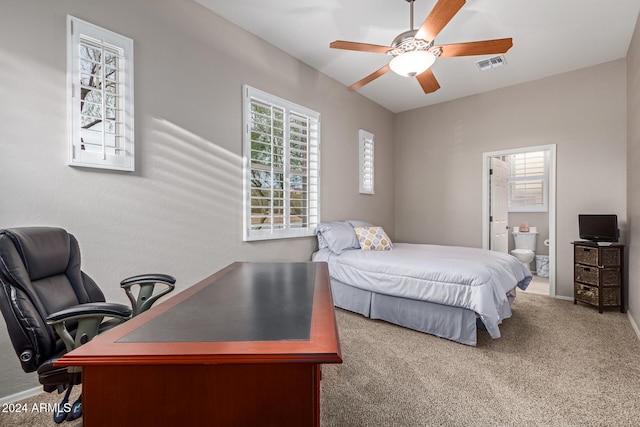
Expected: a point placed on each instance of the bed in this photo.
(446, 291)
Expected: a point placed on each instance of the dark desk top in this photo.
(254, 302)
(245, 313)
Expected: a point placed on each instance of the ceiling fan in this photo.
(414, 52)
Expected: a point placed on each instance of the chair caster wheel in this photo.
(60, 415)
(76, 410)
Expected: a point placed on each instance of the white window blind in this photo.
(366, 149)
(100, 74)
(528, 174)
(281, 156)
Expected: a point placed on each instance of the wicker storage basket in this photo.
(589, 255)
(589, 294)
(592, 275)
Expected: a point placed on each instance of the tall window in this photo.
(366, 147)
(281, 167)
(100, 81)
(528, 181)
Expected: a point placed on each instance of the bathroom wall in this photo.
(540, 220)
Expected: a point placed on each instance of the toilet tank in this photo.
(525, 240)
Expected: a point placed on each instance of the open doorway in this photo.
(519, 210)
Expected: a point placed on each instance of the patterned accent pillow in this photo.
(373, 239)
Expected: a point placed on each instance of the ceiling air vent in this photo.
(495, 62)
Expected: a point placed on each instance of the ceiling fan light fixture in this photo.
(413, 63)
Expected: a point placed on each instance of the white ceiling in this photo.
(549, 37)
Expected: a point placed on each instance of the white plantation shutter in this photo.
(281, 167)
(366, 148)
(528, 174)
(100, 80)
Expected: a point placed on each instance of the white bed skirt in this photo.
(453, 323)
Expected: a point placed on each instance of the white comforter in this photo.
(471, 278)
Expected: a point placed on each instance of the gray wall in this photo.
(439, 151)
(181, 211)
(633, 176)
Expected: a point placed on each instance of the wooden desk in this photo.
(241, 348)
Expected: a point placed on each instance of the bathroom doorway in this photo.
(532, 201)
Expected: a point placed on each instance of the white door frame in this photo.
(552, 203)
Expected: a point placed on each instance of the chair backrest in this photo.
(39, 275)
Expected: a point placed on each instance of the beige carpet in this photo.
(557, 364)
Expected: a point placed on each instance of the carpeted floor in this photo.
(557, 364)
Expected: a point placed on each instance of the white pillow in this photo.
(321, 242)
(338, 236)
(357, 223)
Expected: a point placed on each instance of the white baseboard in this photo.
(21, 395)
(563, 298)
(633, 324)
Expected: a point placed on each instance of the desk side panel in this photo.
(217, 395)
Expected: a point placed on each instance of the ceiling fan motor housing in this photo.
(406, 42)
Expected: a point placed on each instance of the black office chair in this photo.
(51, 306)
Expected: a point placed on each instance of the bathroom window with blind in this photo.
(528, 181)
(281, 158)
(100, 85)
(366, 149)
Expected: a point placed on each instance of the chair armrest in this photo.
(147, 283)
(104, 309)
(156, 278)
(89, 317)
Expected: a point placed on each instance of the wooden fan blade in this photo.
(486, 47)
(428, 81)
(440, 16)
(361, 47)
(371, 77)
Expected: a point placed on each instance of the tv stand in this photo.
(599, 274)
(594, 243)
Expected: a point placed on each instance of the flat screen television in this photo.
(598, 228)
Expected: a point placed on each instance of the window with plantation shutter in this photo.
(528, 174)
(281, 157)
(100, 84)
(366, 146)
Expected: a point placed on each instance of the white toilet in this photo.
(525, 245)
